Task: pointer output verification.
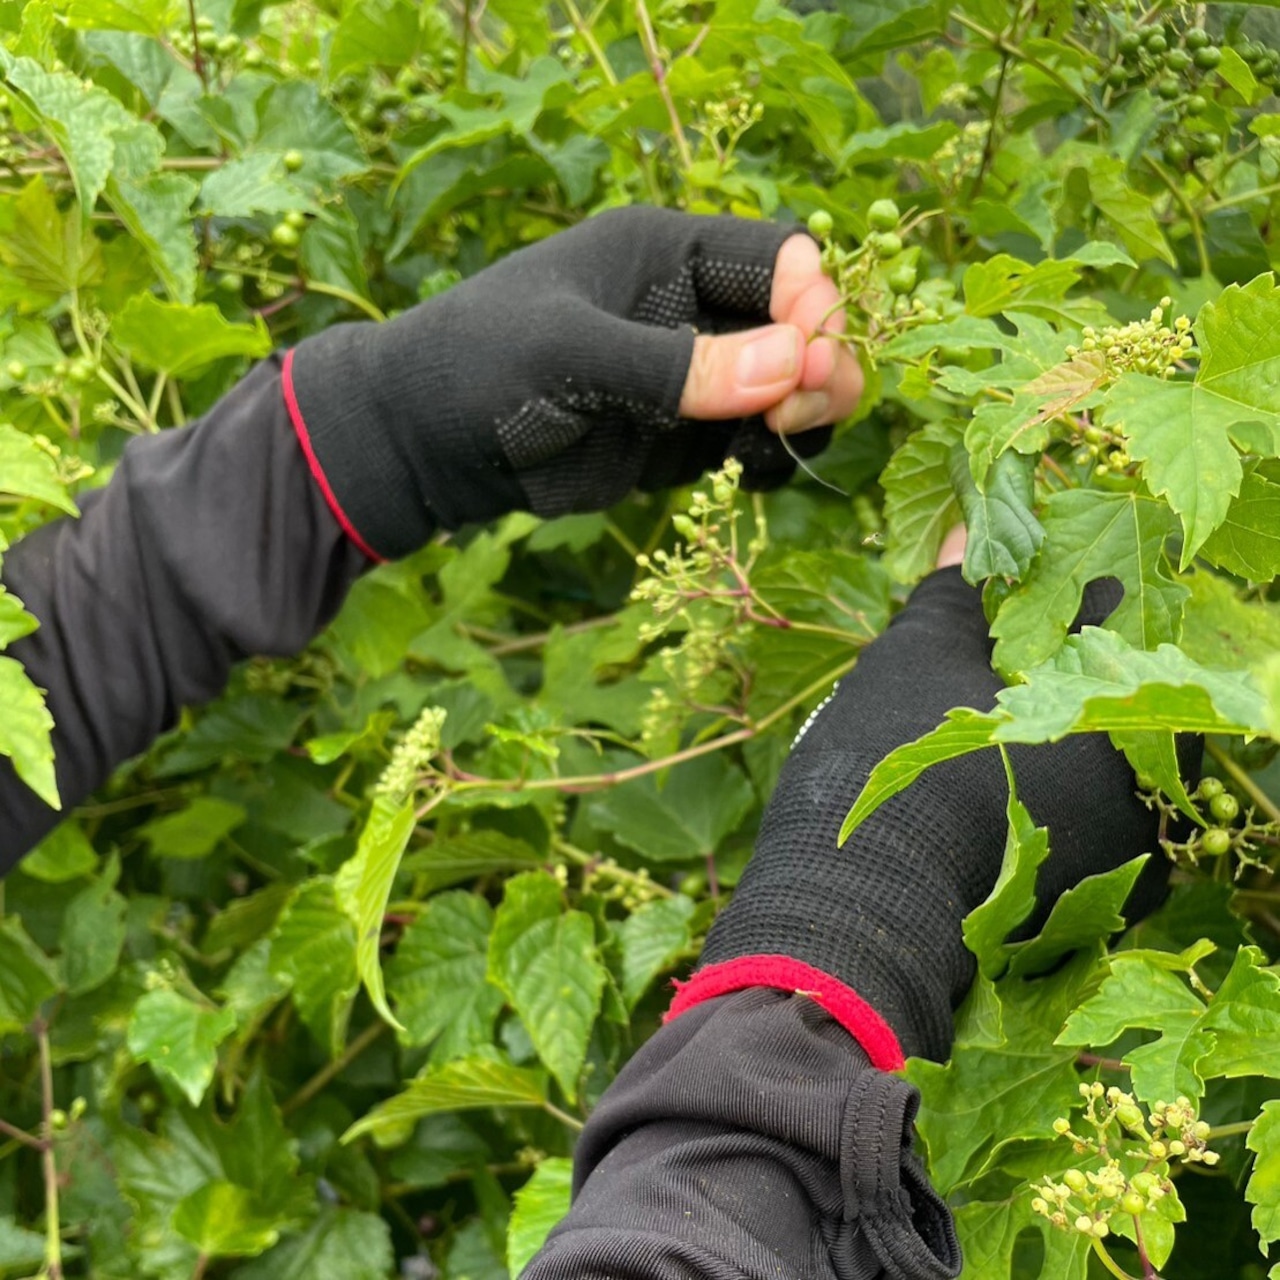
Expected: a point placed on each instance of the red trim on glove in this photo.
(304, 439)
(783, 973)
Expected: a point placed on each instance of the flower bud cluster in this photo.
(412, 754)
(1133, 1150)
(1150, 346)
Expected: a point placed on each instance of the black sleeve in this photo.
(751, 1138)
(210, 543)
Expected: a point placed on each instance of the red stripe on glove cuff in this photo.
(783, 973)
(317, 472)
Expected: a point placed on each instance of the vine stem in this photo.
(197, 58)
(334, 1068)
(1244, 782)
(1108, 1261)
(1188, 210)
(1230, 1130)
(650, 42)
(563, 1116)
(22, 1136)
(53, 1229)
(591, 781)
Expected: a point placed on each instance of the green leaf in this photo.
(702, 801)
(1091, 535)
(1263, 1191)
(156, 211)
(225, 1221)
(148, 17)
(181, 340)
(1223, 628)
(314, 948)
(1247, 543)
(1098, 682)
(469, 856)
(1141, 993)
(1245, 1020)
(179, 1038)
(375, 32)
(15, 621)
(993, 1093)
(20, 1249)
(1085, 913)
(989, 1232)
(1004, 534)
(193, 832)
(1013, 897)
(24, 731)
(964, 730)
(539, 1206)
(92, 934)
(44, 253)
(341, 1244)
(27, 976)
(651, 939)
(920, 503)
(28, 471)
(462, 1085)
(545, 960)
(363, 885)
(84, 122)
(64, 854)
(437, 976)
(1127, 208)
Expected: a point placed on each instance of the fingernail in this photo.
(804, 409)
(772, 357)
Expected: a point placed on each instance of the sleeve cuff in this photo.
(313, 463)
(783, 973)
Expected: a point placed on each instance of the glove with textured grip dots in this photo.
(549, 382)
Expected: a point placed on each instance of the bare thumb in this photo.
(737, 375)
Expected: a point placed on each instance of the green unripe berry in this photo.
(207, 41)
(80, 370)
(231, 282)
(1156, 42)
(1203, 147)
(1224, 807)
(902, 279)
(821, 224)
(1195, 38)
(61, 369)
(204, 23)
(1129, 44)
(1132, 1202)
(1208, 57)
(293, 160)
(1175, 152)
(1075, 1179)
(16, 370)
(1197, 104)
(1215, 841)
(283, 236)
(296, 219)
(1117, 77)
(883, 215)
(1169, 89)
(1210, 787)
(887, 244)
(1177, 60)
(227, 45)
(254, 57)
(57, 1118)
(694, 884)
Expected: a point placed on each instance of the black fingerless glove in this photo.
(549, 382)
(874, 929)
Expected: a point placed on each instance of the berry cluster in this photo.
(879, 280)
(1230, 830)
(1133, 1151)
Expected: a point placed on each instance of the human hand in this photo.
(637, 349)
(874, 928)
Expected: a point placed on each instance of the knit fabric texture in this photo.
(549, 382)
(883, 914)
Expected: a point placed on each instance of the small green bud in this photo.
(293, 160)
(1076, 1180)
(16, 370)
(821, 224)
(883, 215)
(283, 236)
(1132, 1202)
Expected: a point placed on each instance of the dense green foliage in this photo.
(324, 985)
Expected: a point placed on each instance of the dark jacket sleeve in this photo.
(751, 1138)
(209, 544)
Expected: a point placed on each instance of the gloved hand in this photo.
(874, 928)
(566, 375)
